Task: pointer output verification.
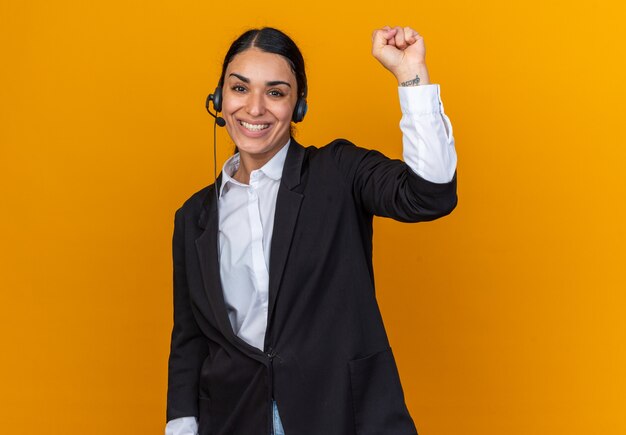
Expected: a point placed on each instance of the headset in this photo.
(216, 97)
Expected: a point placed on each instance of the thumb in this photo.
(380, 38)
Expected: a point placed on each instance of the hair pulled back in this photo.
(274, 41)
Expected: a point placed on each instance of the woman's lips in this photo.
(253, 130)
(253, 127)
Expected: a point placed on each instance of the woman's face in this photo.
(260, 93)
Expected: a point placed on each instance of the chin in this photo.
(259, 145)
(260, 149)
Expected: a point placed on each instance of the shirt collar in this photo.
(272, 169)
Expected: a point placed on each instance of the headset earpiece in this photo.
(300, 110)
(217, 99)
(301, 106)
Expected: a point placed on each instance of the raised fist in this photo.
(401, 50)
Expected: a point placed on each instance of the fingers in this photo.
(381, 37)
(410, 35)
(400, 42)
(400, 37)
(400, 50)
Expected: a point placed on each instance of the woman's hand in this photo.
(401, 50)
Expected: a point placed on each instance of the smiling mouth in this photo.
(253, 127)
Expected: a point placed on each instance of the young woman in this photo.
(276, 325)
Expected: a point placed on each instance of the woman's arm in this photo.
(188, 345)
(427, 132)
(424, 186)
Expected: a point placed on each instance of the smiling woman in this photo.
(260, 94)
(293, 342)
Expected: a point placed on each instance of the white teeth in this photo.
(254, 127)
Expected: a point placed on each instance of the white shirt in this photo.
(246, 216)
(246, 223)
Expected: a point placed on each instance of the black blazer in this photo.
(327, 360)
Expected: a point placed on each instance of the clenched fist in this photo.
(401, 50)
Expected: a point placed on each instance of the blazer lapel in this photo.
(287, 208)
(207, 247)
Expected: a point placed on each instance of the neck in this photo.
(242, 174)
(252, 162)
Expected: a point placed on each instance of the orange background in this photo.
(507, 317)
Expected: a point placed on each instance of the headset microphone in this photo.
(216, 98)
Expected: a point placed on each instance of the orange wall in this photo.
(507, 317)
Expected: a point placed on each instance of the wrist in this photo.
(413, 76)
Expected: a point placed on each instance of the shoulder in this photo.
(193, 206)
(339, 150)
(340, 156)
(345, 156)
(337, 145)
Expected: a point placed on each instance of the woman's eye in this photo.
(276, 93)
(238, 88)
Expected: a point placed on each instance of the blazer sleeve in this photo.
(389, 188)
(188, 347)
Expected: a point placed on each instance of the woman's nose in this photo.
(255, 105)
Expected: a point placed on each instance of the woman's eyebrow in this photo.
(277, 82)
(240, 77)
(271, 83)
